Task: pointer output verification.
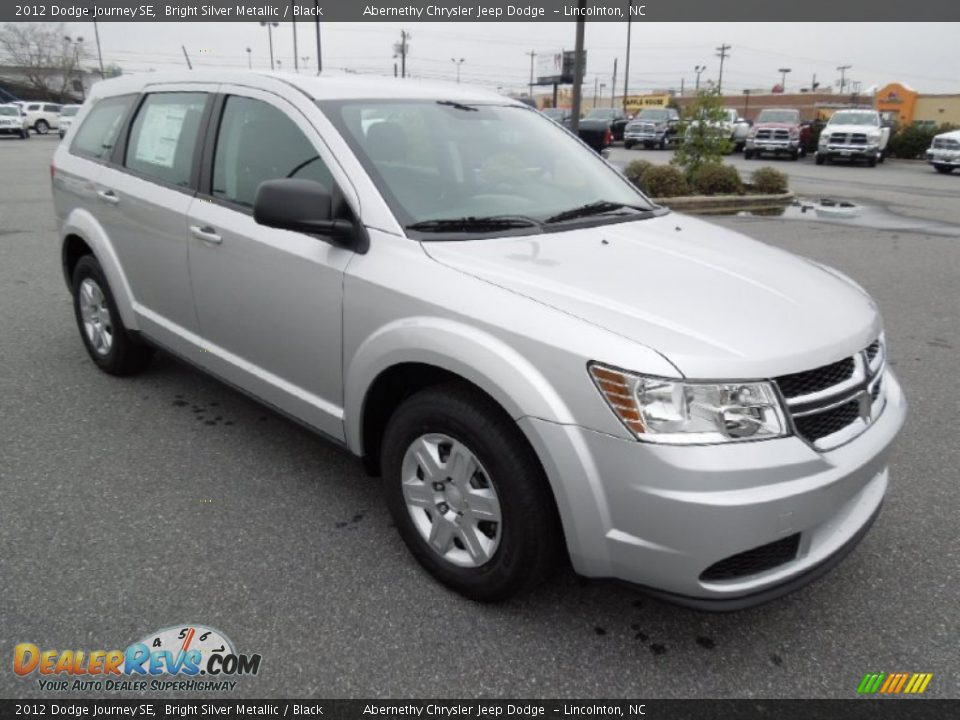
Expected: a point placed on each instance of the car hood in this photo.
(715, 303)
(852, 129)
(952, 135)
(775, 125)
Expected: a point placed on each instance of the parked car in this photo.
(67, 113)
(497, 329)
(653, 127)
(598, 119)
(13, 122)
(561, 116)
(853, 135)
(42, 117)
(777, 131)
(732, 127)
(944, 151)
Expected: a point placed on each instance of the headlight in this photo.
(686, 413)
(873, 137)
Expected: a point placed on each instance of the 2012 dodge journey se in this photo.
(537, 359)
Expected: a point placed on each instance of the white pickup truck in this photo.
(853, 135)
(944, 151)
(731, 126)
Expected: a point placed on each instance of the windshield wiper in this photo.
(474, 224)
(456, 105)
(595, 208)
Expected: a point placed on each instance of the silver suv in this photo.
(538, 360)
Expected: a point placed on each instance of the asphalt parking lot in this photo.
(136, 504)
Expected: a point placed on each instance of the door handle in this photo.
(205, 233)
(108, 196)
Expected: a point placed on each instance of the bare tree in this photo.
(44, 55)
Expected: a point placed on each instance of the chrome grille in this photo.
(834, 403)
(838, 138)
(858, 139)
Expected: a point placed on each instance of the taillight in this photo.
(608, 137)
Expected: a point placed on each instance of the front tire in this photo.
(468, 495)
(24, 134)
(821, 159)
(107, 341)
(945, 169)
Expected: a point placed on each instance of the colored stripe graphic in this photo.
(894, 683)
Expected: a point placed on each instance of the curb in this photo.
(709, 203)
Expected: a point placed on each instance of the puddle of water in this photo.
(859, 215)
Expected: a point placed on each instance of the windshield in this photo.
(655, 115)
(69, 111)
(602, 113)
(439, 160)
(779, 116)
(10, 111)
(854, 118)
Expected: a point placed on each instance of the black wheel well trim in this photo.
(72, 249)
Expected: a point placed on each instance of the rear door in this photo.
(144, 199)
(269, 301)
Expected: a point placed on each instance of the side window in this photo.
(51, 108)
(258, 142)
(164, 135)
(100, 128)
(32, 108)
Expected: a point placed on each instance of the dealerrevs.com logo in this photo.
(188, 657)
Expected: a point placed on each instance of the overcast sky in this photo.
(921, 55)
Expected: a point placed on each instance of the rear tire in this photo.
(449, 452)
(42, 127)
(106, 339)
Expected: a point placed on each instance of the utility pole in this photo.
(296, 66)
(189, 64)
(626, 63)
(96, 33)
(698, 69)
(577, 98)
(613, 84)
(681, 86)
(400, 49)
(843, 76)
(316, 6)
(722, 54)
(532, 55)
(783, 78)
(814, 84)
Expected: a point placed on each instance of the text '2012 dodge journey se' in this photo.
(536, 358)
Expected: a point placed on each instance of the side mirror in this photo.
(301, 206)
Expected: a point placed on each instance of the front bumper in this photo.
(773, 146)
(950, 158)
(658, 516)
(850, 152)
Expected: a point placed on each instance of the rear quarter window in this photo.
(96, 136)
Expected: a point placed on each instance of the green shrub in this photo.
(662, 181)
(635, 170)
(769, 181)
(717, 179)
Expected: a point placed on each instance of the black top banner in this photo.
(486, 11)
(889, 709)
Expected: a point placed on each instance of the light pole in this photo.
(76, 42)
(698, 70)
(296, 67)
(279, 64)
(270, 26)
(843, 75)
(602, 86)
(249, 59)
(458, 63)
(783, 78)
